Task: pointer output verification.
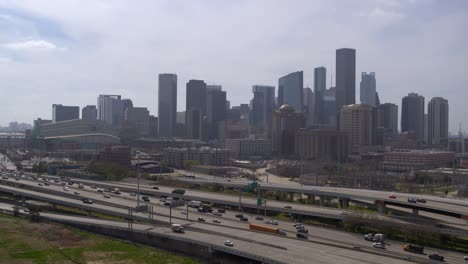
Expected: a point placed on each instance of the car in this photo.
(302, 230)
(412, 200)
(87, 201)
(421, 200)
(107, 196)
(392, 196)
(228, 243)
(343, 213)
(244, 219)
(465, 258)
(145, 198)
(93, 186)
(288, 207)
(46, 184)
(217, 214)
(16, 178)
(239, 215)
(132, 194)
(76, 193)
(70, 183)
(155, 187)
(56, 180)
(216, 221)
(162, 200)
(100, 190)
(63, 183)
(379, 245)
(221, 211)
(41, 184)
(436, 256)
(26, 210)
(260, 218)
(272, 222)
(107, 190)
(296, 225)
(302, 235)
(184, 212)
(65, 188)
(281, 232)
(201, 219)
(5, 177)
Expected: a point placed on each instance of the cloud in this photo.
(31, 45)
(386, 14)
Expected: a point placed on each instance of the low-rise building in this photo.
(116, 154)
(175, 157)
(406, 160)
(247, 148)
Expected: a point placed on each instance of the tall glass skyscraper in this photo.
(290, 90)
(167, 104)
(345, 77)
(368, 89)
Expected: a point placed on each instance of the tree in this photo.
(188, 164)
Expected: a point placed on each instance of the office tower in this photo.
(195, 114)
(216, 110)
(263, 104)
(309, 103)
(329, 114)
(345, 77)
(357, 121)
(167, 104)
(412, 116)
(64, 113)
(320, 86)
(438, 121)
(110, 109)
(153, 126)
(368, 89)
(213, 87)
(138, 117)
(389, 119)
(285, 123)
(290, 90)
(89, 112)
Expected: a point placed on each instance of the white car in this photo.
(378, 245)
(465, 258)
(107, 196)
(216, 221)
(184, 212)
(65, 188)
(228, 243)
(343, 213)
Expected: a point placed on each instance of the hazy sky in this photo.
(68, 51)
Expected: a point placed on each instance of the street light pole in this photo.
(138, 179)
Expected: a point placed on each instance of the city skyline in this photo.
(62, 59)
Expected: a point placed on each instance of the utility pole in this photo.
(138, 178)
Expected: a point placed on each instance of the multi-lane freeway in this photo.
(328, 246)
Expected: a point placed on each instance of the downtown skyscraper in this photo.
(290, 91)
(263, 104)
(345, 77)
(438, 122)
(195, 109)
(320, 88)
(368, 90)
(110, 109)
(167, 104)
(412, 116)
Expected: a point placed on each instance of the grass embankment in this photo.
(22, 241)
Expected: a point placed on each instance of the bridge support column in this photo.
(310, 198)
(291, 196)
(344, 203)
(322, 200)
(415, 211)
(381, 208)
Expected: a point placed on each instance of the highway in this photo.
(230, 227)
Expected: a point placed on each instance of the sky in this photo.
(70, 51)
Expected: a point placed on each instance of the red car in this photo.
(392, 197)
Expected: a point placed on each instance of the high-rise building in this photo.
(285, 123)
(263, 103)
(357, 121)
(345, 77)
(153, 127)
(64, 113)
(329, 114)
(195, 114)
(320, 86)
(110, 109)
(138, 117)
(368, 89)
(309, 104)
(290, 90)
(167, 104)
(89, 112)
(389, 119)
(216, 110)
(412, 116)
(438, 120)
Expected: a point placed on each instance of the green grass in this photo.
(77, 211)
(23, 241)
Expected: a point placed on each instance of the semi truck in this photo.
(263, 228)
(413, 248)
(194, 204)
